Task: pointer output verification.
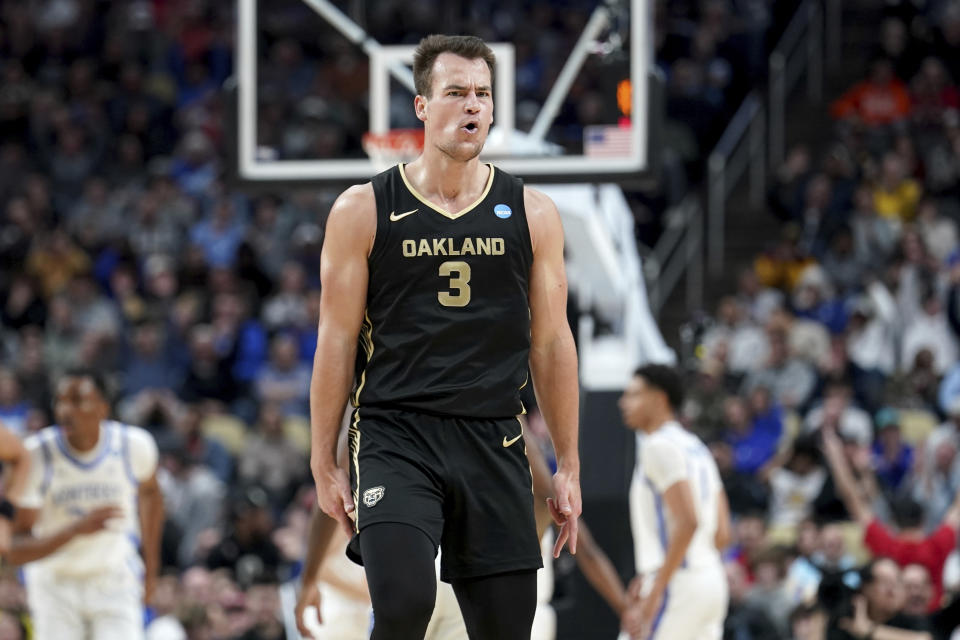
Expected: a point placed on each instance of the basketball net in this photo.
(389, 148)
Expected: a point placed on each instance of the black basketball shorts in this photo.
(466, 483)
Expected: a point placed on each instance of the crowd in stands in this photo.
(828, 384)
(124, 246)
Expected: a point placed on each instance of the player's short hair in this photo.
(470, 47)
(94, 376)
(663, 378)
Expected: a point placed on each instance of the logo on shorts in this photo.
(502, 211)
(373, 495)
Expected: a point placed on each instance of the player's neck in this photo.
(658, 420)
(446, 181)
(84, 443)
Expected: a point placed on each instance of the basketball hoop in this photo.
(389, 148)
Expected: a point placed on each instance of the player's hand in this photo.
(639, 614)
(6, 534)
(96, 520)
(309, 597)
(334, 497)
(565, 509)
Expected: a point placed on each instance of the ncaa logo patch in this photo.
(373, 495)
(502, 211)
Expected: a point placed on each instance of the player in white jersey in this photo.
(91, 492)
(679, 516)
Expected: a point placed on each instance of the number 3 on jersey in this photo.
(459, 274)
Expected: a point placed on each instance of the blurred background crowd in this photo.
(124, 245)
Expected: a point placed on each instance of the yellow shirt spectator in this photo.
(899, 203)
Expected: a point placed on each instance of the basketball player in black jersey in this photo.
(451, 273)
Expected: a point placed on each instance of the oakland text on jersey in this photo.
(453, 247)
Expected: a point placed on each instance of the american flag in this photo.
(606, 141)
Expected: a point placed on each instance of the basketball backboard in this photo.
(311, 80)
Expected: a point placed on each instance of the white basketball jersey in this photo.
(669, 455)
(65, 485)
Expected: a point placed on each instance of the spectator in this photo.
(745, 620)
(842, 263)
(929, 330)
(150, 233)
(754, 441)
(892, 457)
(285, 380)
(220, 235)
(55, 260)
(813, 298)
(880, 100)
(23, 305)
(13, 408)
(838, 412)
(271, 459)
(209, 376)
(148, 367)
(917, 388)
(791, 381)
(287, 309)
(247, 545)
(240, 338)
(874, 236)
(918, 588)
(743, 342)
(744, 493)
(871, 335)
(897, 195)
(795, 485)
(908, 544)
(938, 232)
(881, 606)
(193, 497)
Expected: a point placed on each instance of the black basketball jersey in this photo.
(447, 326)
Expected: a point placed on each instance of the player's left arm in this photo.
(553, 360)
(678, 499)
(143, 461)
(723, 535)
(17, 467)
(14, 454)
(151, 530)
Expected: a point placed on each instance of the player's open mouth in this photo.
(471, 127)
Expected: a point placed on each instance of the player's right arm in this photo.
(322, 530)
(351, 229)
(27, 548)
(15, 456)
(723, 535)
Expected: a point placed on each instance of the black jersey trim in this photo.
(453, 216)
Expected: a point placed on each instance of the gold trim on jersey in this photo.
(354, 434)
(453, 216)
(523, 409)
(366, 339)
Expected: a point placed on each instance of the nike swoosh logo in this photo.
(507, 443)
(394, 216)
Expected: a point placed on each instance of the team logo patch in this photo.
(373, 495)
(502, 211)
